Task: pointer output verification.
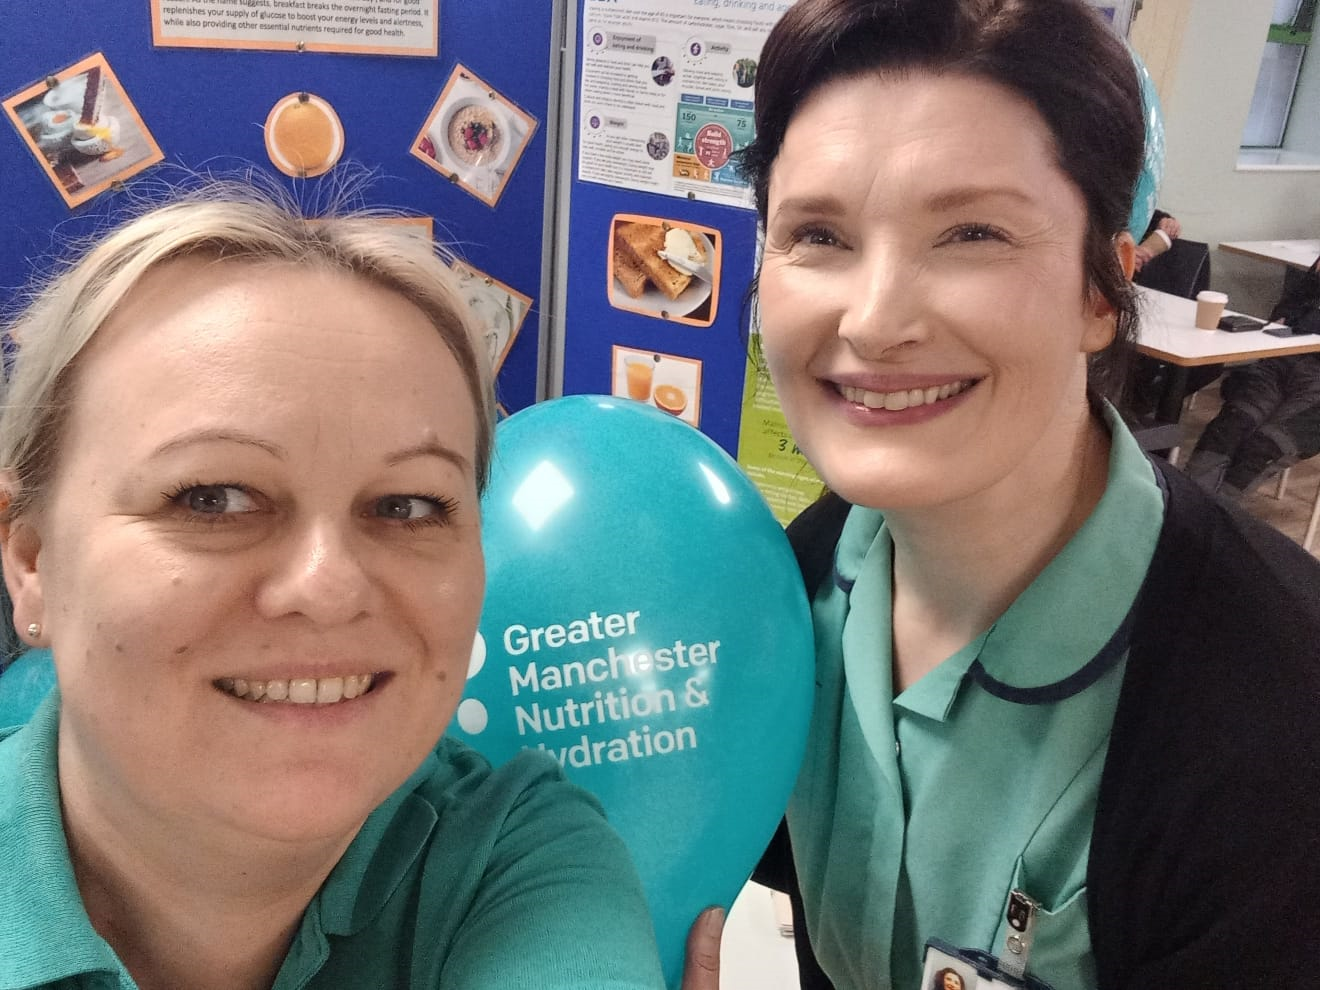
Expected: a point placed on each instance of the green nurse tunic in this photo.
(915, 816)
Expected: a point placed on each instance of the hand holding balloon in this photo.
(701, 965)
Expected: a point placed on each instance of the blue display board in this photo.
(662, 96)
(206, 109)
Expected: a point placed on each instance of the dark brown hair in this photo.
(1057, 54)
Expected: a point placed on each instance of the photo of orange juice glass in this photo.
(640, 373)
(671, 399)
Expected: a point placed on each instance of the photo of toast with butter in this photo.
(664, 268)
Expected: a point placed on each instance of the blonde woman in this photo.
(242, 458)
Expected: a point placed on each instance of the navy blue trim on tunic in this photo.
(1074, 683)
(1090, 672)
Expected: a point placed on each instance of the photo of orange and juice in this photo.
(667, 381)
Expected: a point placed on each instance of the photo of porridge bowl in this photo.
(475, 134)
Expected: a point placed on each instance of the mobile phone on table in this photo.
(1240, 324)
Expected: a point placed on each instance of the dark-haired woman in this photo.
(1045, 664)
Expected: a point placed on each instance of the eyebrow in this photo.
(952, 199)
(938, 202)
(218, 435)
(429, 448)
(822, 205)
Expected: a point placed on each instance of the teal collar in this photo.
(381, 855)
(1073, 615)
(44, 928)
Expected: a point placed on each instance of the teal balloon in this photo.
(645, 624)
(23, 685)
(1145, 195)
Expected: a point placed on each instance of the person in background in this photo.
(1151, 377)
(1049, 670)
(1270, 418)
(242, 455)
(1163, 230)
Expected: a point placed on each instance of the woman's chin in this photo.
(892, 480)
(322, 809)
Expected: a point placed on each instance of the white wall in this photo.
(1157, 35)
(1204, 56)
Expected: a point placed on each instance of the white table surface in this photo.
(1295, 254)
(1169, 332)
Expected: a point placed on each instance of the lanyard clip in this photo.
(1022, 911)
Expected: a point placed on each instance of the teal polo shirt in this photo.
(915, 816)
(466, 877)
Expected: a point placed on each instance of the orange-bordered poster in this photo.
(474, 136)
(356, 27)
(83, 129)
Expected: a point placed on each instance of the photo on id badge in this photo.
(949, 968)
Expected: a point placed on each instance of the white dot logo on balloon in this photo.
(472, 714)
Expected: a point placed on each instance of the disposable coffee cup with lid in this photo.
(1209, 308)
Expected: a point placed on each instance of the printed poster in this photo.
(498, 309)
(667, 94)
(665, 269)
(304, 136)
(368, 27)
(669, 382)
(766, 451)
(83, 130)
(474, 136)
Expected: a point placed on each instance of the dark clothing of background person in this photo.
(1270, 419)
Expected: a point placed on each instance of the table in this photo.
(1169, 333)
(1293, 254)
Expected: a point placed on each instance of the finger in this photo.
(701, 968)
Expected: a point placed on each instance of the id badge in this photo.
(950, 968)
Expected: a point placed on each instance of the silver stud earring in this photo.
(34, 629)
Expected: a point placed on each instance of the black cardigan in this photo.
(1204, 868)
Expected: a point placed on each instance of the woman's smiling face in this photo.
(924, 311)
(267, 479)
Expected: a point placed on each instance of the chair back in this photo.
(1299, 306)
(1183, 270)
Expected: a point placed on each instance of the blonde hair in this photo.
(226, 221)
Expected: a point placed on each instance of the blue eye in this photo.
(414, 508)
(214, 500)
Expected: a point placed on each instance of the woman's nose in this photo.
(882, 310)
(318, 574)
